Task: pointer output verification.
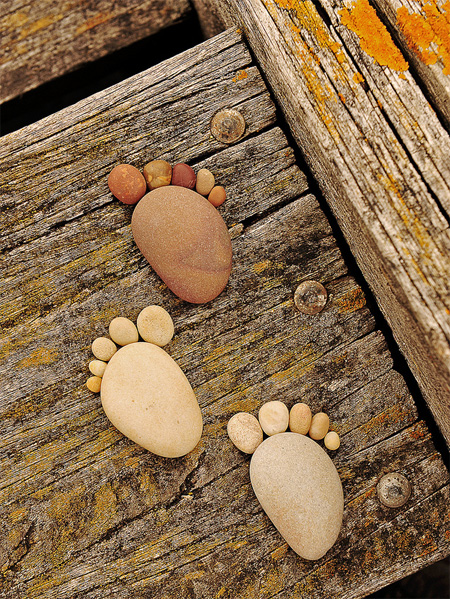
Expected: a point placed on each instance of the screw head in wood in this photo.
(228, 125)
(393, 489)
(310, 297)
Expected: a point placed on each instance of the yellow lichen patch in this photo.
(352, 301)
(94, 21)
(221, 593)
(259, 267)
(18, 515)
(105, 509)
(280, 552)
(393, 414)
(41, 23)
(240, 75)
(421, 31)
(39, 357)
(374, 38)
(13, 20)
(358, 78)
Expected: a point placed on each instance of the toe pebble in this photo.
(300, 418)
(97, 367)
(123, 331)
(94, 383)
(245, 432)
(217, 196)
(319, 426)
(332, 441)
(157, 173)
(103, 348)
(127, 184)
(155, 325)
(273, 417)
(205, 181)
(183, 176)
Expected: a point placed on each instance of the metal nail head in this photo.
(393, 489)
(310, 297)
(228, 125)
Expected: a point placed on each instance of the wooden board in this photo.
(380, 154)
(86, 513)
(43, 40)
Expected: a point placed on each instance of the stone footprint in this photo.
(144, 392)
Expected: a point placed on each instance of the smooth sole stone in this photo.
(148, 398)
(300, 490)
(185, 240)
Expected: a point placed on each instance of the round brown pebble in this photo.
(332, 441)
(217, 196)
(127, 184)
(122, 331)
(155, 325)
(183, 176)
(273, 417)
(300, 418)
(157, 173)
(94, 383)
(205, 181)
(319, 426)
(245, 432)
(103, 348)
(97, 367)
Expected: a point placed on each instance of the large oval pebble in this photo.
(146, 395)
(185, 240)
(300, 490)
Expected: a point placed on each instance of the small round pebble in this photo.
(123, 331)
(103, 348)
(245, 432)
(97, 367)
(205, 182)
(183, 176)
(94, 383)
(319, 426)
(155, 325)
(157, 173)
(273, 417)
(332, 440)
(127, 184)
(300, 418)
(217, 196)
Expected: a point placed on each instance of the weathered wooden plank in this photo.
(86, 513)
(422, 30)
(381, 157)
(45, 40)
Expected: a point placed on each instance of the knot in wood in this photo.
(310, 297)
(228, 125)
(393, 489)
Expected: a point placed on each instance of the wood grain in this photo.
(381, 156)
(86, 513)
(41, 41)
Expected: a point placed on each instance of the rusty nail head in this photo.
(310, 297)
(393, 489)
(228, 125)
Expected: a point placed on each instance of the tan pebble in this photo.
(94, 383)
(319, 426)
(273, 417)
(126, 183)
(217, 196)
(332, 440)
(157, 173)
(97, 367)
(123, 331)
(205, 181)
(103, 348)
(300, 418)
(245, 432)
(155, 325)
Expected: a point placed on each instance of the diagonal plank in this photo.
(87, 513)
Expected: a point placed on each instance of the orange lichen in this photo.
(374, 38)
(352, 301)
(38, 357)
(358, 78)
(240, 75)
(421, 31)
(94, 21)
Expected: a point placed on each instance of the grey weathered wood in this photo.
(43, 40)
(381, 157)
(87, 513)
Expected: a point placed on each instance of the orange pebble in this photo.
(127, 184)
(217, 196)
